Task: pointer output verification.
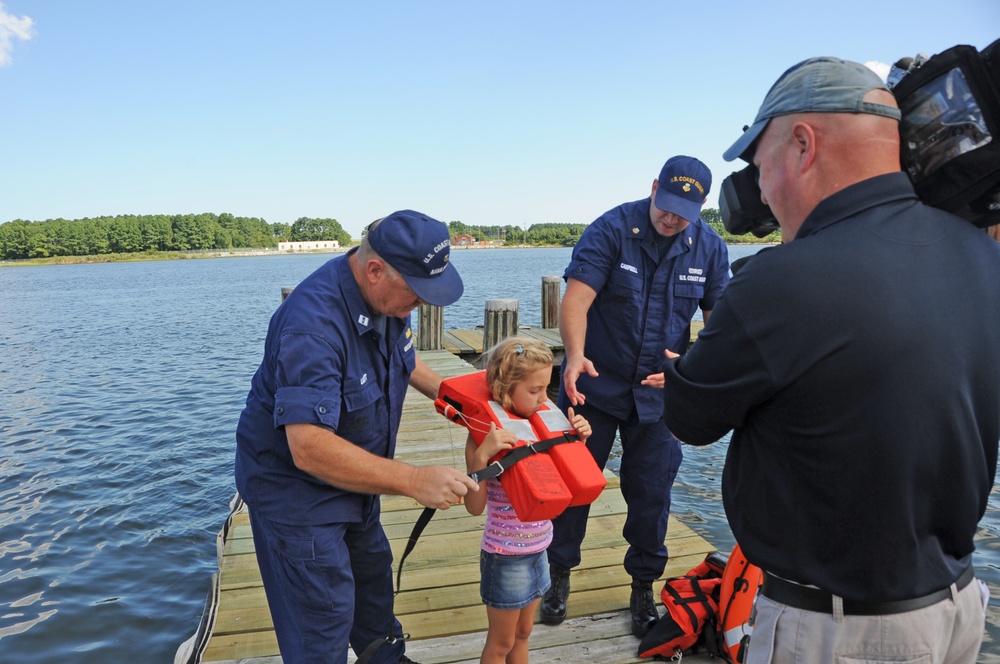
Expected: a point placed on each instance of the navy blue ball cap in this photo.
(418, 247)
(683, 184)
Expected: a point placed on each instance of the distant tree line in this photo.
(150, 233)
(535, 235)
(566, 235)
(125, 234)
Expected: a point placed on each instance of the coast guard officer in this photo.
(316, 439)
(636, 278)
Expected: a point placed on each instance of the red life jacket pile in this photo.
(709, 608)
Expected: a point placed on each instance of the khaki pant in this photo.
(949, 632)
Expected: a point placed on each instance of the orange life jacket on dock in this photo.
(540, 486)
(740, 582)
(709, 607)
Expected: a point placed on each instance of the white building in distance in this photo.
(308, 246)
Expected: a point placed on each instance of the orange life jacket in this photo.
(540, 486)
(740, 582)
(709, 606)
(692, 603)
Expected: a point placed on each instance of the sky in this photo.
(489, 113)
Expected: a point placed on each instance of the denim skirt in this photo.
(513, 582)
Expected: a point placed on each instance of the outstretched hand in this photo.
(572, 371)
(656, 380)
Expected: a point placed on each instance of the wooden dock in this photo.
(439, 604)
(468, 344)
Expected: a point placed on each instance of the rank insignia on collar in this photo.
(362, 319)
(635, 230)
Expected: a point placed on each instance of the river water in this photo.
(121, 385)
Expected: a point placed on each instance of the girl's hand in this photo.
(580, 425)
(496, 441)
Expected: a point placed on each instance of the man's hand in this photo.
(440, 487)
(656, 380)
(575, 367)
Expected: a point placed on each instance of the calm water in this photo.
(121, 385)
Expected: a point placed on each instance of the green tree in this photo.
(156, 232)
(305, 229)
(281, 232)
(124, 235)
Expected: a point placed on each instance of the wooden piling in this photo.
(551, 285)
(430, 327)
(500, 322)
(286, 291)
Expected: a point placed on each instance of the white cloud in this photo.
(880, 68)
(11, 28)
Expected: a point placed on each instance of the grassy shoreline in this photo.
(152, 256)
(216, 253)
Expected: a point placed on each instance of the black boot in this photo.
(554, 602)
(643, 607)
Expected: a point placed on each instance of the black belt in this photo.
(814, 599)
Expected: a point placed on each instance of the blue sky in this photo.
(488, 113)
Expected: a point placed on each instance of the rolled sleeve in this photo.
(305, 405)
(309, 378)
(594, 255)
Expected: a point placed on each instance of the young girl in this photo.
(513, 562)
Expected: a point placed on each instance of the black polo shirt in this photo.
(860, 369)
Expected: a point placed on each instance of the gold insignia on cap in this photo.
(686, 187)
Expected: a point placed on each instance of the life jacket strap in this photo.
(518, 453)
(493, 470)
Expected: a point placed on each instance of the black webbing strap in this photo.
(519, 453)
(373, 647)
(492, 470)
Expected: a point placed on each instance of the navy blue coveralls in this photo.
(323, 556)
(644, 305)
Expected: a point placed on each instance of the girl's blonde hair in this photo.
(510, 362)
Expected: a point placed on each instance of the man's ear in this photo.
(374, 270)
(804, 140)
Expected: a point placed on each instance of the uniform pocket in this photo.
(363, 416)
(296, 564)
(693, 291)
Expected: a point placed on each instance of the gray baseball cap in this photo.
(816, 85)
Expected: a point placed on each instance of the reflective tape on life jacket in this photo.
(539, 485)
(740, 582)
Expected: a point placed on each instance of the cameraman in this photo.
(858, 364)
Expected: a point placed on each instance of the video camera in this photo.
(949, 140)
